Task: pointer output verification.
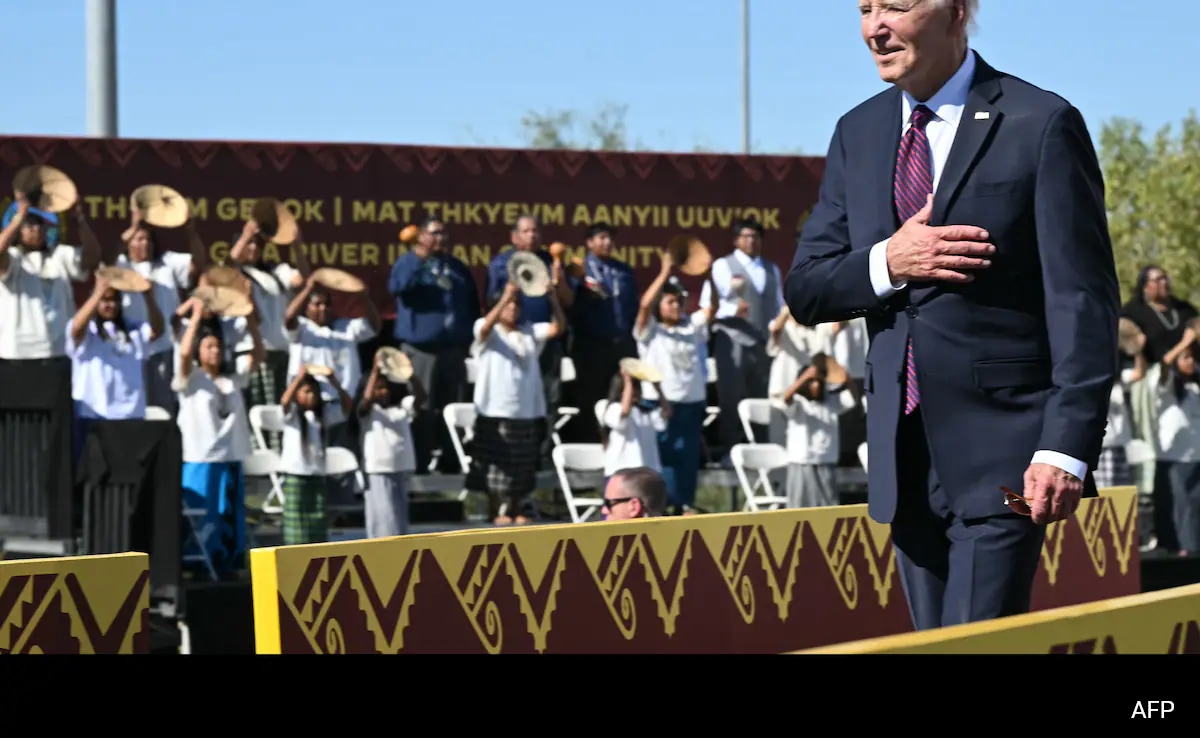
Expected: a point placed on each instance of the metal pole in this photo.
(745, 76)
(102, 68)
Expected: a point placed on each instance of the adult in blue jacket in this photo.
(437, 304)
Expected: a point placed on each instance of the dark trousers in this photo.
(551, 366)
(442, 371)
(956, 570)
(743, 372)
(1163, 501)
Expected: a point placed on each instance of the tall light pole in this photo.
(745, 76)
(102, 68)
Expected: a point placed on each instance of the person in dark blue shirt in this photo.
(527, 236)
(437, 304)
(606, 305)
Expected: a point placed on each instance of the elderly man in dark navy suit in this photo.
(962, 212)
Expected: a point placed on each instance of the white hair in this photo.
(970, 8)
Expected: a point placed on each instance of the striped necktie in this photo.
(913, 183)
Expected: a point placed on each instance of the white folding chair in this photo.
(711, 413)
(261, 465)
(1138, 451)
(862, 455)
(460, 418)
(154, 412)
(578, 457)
(566, 373)
(566, 370)
(754, 411)
(199, 533)
(762, 459)
(269, 419)
(565, 414)
(598, 410)
(339, 463)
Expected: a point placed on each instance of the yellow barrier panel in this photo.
(1163, 622)
(763, 582)
(76, 605)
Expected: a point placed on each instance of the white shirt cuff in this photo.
(1071, 466)
(880, 279)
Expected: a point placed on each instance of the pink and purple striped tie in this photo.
(913, 183)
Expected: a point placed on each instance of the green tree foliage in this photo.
(605, 130)
(1153, 192)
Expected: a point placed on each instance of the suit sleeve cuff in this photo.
(880, 279)
(1071, 466)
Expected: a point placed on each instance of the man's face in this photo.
(601, 245)
(909, 38)
(748, 242)
(434, 237)
(526, 236)
(620, 504)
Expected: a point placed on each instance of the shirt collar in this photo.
(746, 260)
(947, 103)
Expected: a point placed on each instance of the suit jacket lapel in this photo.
(885, 146)
(979, 120)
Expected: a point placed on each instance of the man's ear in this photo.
(640, 507)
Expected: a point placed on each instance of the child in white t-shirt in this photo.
(631, 429)
(307, 416)
(510, 406)
(387, 452)
(216, 439)
(812, 405)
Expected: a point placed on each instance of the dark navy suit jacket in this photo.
(1020, 360)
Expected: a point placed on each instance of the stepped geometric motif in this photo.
(1121, 516)
(316, 604)
(840, 537)
(777, 562)
(664, 564)
(475, 578)
(767, 582)
(62, 611)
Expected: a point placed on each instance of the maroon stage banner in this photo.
(352, 200)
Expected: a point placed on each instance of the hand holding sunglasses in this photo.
(1050, 495)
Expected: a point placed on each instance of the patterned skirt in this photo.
(304, 516)
(504, 456)
(1113, 468)
(266, 388)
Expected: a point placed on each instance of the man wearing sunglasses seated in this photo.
(633, 493)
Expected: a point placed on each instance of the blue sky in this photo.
(463, 72)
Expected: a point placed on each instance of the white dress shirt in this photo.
(947, 106)
(168, 275)
(756, 268)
